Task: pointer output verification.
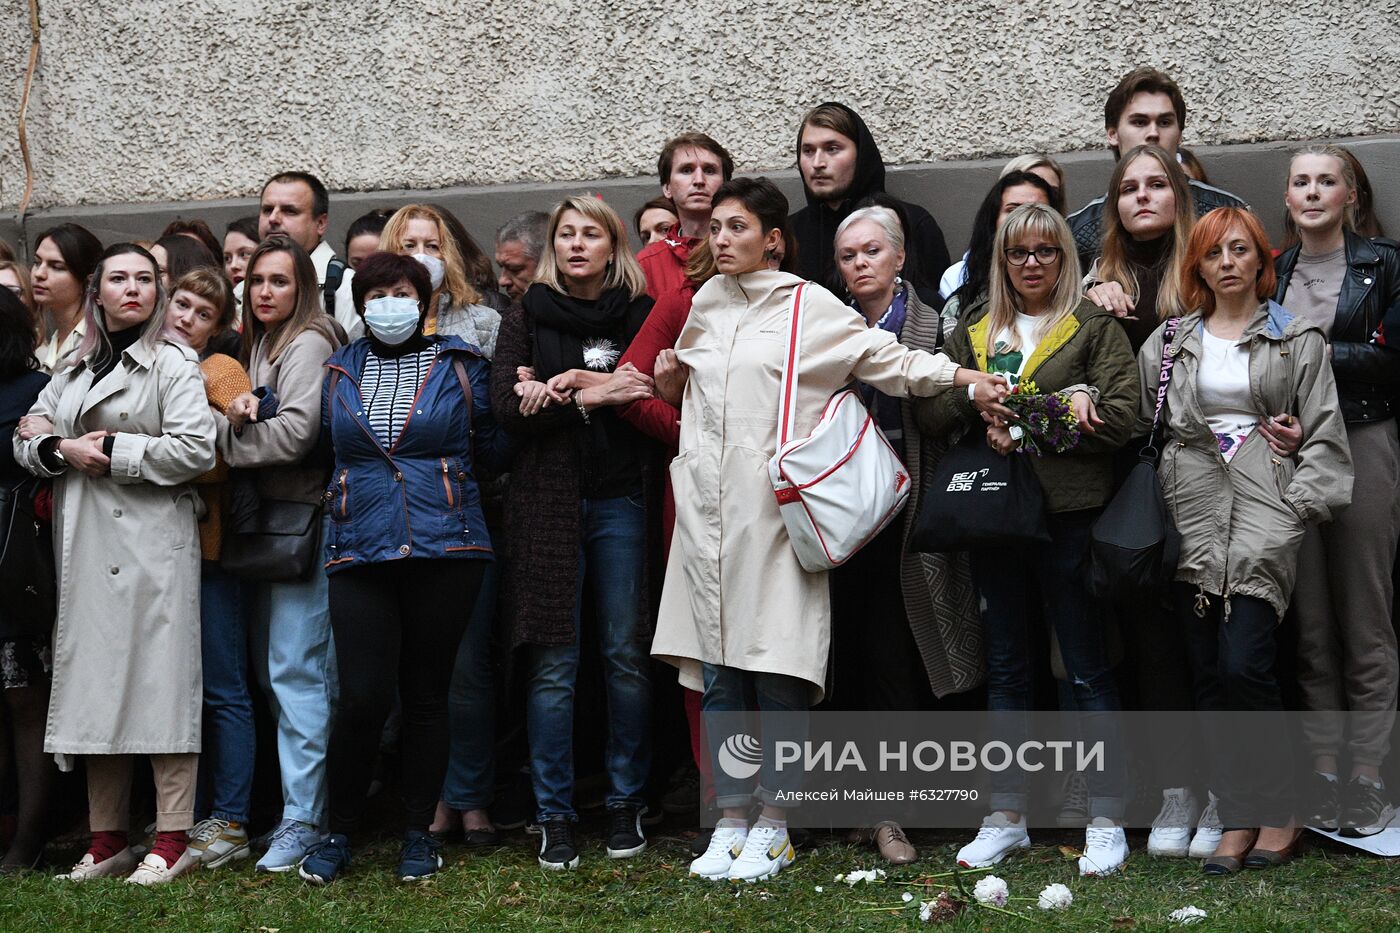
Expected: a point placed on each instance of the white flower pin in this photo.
(600, 353)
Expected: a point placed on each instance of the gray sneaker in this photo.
(288, 846)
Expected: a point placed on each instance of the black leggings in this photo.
(396, 626)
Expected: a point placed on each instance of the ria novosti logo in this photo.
(740, 756)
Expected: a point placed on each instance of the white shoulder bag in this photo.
(838, 487)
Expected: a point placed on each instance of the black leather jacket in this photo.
(1368, 374)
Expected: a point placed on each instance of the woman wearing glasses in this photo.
(1033, 325)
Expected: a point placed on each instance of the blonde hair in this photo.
(1003, 302)
(1113, 260)
(1345, 169)
(623, 269)
(455, 284)
(1035, 160)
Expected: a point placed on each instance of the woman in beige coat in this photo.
(124, 430)
(1242, 509)
(738, 612)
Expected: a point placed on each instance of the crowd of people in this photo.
(406, 503)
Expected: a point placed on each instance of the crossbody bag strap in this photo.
(1164, 381)
(792, 354)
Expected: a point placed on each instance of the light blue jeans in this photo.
(294, 661)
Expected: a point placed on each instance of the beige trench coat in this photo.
(735, 594)
(126, 655)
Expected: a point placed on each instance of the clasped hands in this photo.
(626, 384)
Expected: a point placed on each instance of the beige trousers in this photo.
(109, 791)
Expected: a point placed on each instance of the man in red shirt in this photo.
(692, 166)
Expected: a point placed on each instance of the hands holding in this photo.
(243, 409)
(32, 426)
(85, 453)
(1000, 440)
(1111, 297)
(626, 384)
(671, 377)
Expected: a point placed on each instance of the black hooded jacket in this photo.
(926, 253)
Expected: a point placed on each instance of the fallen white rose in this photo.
(1190, 914)
(991, 890)
(1055, 897)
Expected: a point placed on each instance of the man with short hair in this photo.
(297, 205)
(1146, 107)
(841, 166)
(691, 168)
(519, 245)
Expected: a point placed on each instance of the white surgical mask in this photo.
(434, 266)
(392, 320)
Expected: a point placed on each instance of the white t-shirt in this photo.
(1222, 388)
(953, 277)
(1012, 362)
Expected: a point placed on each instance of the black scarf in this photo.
(565, 327)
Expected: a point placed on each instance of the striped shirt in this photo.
(389, 386)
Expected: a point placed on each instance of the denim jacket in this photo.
(420, 497)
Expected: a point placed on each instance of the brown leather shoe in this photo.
(893, 844)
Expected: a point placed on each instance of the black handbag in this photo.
(28, 593)
(976, 498)
(1134, 545)
(273, 540)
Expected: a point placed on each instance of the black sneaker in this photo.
(1365, 811)
(557, 852)
(1321, 801)
(625, 837)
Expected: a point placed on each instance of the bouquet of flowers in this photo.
(1044, 421)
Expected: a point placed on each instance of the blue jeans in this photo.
(471, 706)
(612, 548)
(226, 761)
(294, 661)
(731, 692)
(1002, 577)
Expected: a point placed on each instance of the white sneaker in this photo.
(215, 844)
(997, 839)
(1209, 829)
(767, 851)
(1171, 830)
(726, 845)
(155, 870)
(87, 868)
(1105, 848)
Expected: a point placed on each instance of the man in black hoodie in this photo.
(841, 167)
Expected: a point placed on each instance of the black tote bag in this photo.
(976, 498)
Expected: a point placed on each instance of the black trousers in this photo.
(1233, 664)
(397, 626)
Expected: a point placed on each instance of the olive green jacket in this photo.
(1087, 348)
(1242, 522)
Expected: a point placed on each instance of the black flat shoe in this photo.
(480, 838)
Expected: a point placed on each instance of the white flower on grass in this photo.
(819, 889)
(926, 911)
(839, 878)
(907, 897)
(1190, 914)
(855, 877)
(1055, 897)
(991, 890)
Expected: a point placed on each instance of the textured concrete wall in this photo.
(154, 100)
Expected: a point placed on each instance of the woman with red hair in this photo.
(1237, 360)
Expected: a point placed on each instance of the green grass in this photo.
(1328, 888)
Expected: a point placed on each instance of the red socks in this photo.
(170, 846)
(106, 844)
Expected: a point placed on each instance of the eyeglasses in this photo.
(1045, 255)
